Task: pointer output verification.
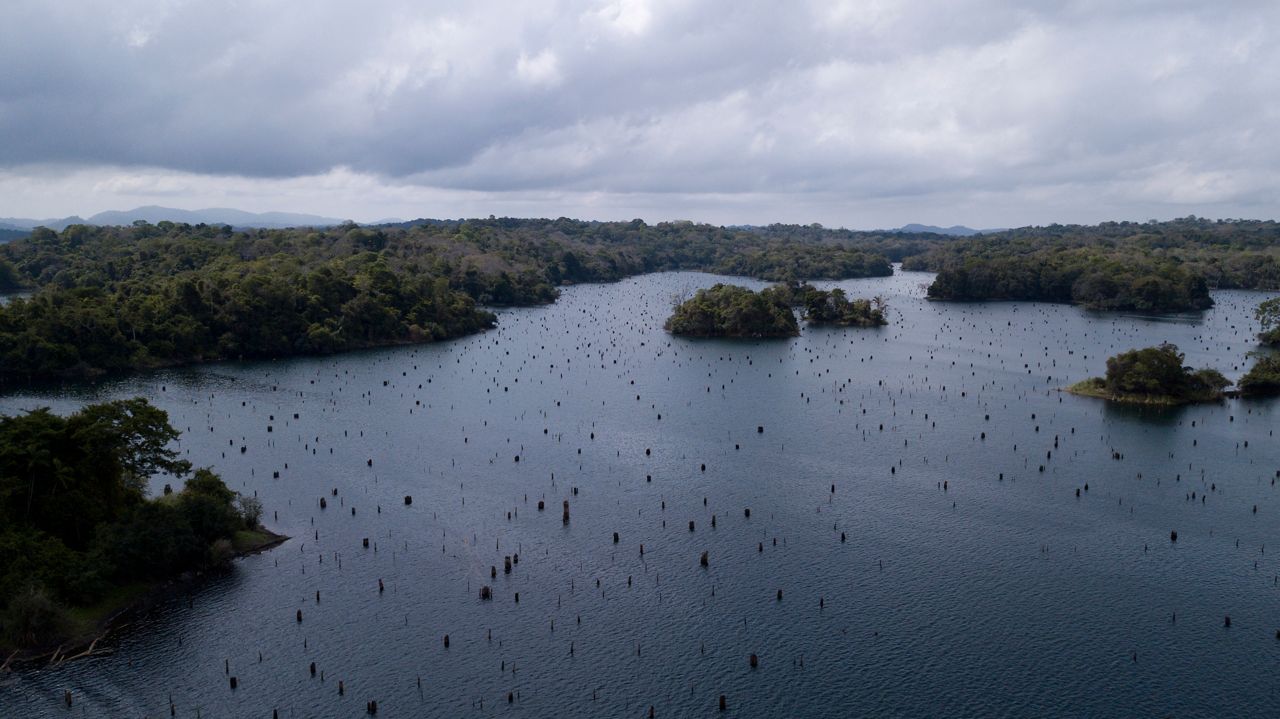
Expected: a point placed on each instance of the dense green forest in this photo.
(732, 311)
(832, 307)
(1151, 267)
(107, 299)
(9, 280)
(75, 523)
(117, 298)
(1268, 315)
(1263, 378)
(1154, 375)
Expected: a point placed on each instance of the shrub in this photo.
(33, 617)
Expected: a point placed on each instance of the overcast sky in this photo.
(855, 113)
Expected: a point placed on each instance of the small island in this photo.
(1154, 375)
(833, 308)
(733, 311)
(81, 544)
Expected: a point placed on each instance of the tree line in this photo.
(733, 311)
(1150, 267)
(107, 299)
(116, 298)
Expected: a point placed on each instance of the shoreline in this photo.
(94, 374)
(1092, 388)
(108, 616)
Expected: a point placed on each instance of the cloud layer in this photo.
(857, 113)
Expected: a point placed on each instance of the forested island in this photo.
(79, 539)
(832, 307)
(1144, 267)
(732, 311)
(1154, 375)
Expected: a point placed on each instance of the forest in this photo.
(1154, 375)
(733, 311)
(76, 525)
(834, 308)
(1268, 315)
(1263, 378)
(108, 299)
(111, 299)
(1145, 267)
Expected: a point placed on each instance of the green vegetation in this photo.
(834, 308)
(109, 299)
(77, 532)
(10, 235)
(1096, 279)
(1148, 267)
(117, 298)
(1268, 314)
(732, 311)
(1153, 375)
(1263, 379)
(9, 280)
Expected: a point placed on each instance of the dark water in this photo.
(989, 597)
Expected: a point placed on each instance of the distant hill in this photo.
(8, 235)
(154, 214)
(954, 230)
(26, 225)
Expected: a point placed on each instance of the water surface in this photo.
(912, 494)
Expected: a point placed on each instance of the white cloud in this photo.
(856, 112)
(542, 69)
(629, 17)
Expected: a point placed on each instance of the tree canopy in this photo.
(832, 307)
(74, 517)
(1156, 375)
(117, 298)
(1263, 378)
(1148, 267)
(109, 299)
(1268, 315)
(733, 311)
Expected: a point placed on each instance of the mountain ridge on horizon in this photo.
(954, 230)
(155, 213)
(15, 227)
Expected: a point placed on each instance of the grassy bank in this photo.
(1097, 387)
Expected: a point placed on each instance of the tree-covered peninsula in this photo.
(1154, 375)
(109, 299)
(732, 311)
(78, 536)
(1130, 266)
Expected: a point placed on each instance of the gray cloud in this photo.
(996, 112)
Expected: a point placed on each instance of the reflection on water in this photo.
(912, 493)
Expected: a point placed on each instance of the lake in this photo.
(915, 544)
